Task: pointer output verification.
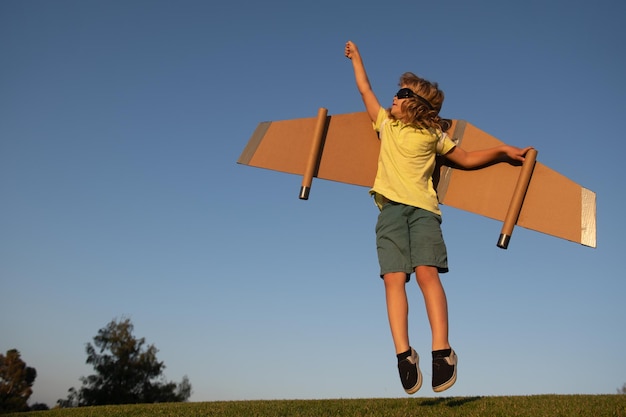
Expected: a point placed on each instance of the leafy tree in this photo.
(39, 407)
(16, 381)
(127, 372)
(622, 390)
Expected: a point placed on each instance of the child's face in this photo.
(396, 106)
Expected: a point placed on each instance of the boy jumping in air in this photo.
(408, 230)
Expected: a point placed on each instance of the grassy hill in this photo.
(531, 406)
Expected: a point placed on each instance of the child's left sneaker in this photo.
(444, 370)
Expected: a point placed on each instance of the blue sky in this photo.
(121, 124)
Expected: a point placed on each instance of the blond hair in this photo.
(423, 110)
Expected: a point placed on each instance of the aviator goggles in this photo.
(408, 93)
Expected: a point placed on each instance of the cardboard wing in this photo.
(345, 148)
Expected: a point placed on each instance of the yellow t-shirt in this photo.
(406, 163)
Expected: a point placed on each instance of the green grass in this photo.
(535, 406)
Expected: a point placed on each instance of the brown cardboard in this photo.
(553, 204)
(515, 206)
(315, 153)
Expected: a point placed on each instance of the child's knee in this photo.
(394, 279)
(427, 275)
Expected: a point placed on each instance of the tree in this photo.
(39, 407)
(16, 381)
(127, 372)
(622, 390)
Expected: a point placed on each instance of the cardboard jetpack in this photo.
(345, 148)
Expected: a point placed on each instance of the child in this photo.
(408, 232)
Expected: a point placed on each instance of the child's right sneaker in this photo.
(444, 371)
(410, 373)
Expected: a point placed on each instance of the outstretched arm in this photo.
(372, 106)
(477, 159)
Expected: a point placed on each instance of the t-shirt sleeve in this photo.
(380, 119)
(444, 144)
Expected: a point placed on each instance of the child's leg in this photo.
(444, 358)
(397, 309)
(398, 312)
(436, 305)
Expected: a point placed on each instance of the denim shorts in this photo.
(407, 237)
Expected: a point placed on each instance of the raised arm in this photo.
(372, 106)
(477, 159)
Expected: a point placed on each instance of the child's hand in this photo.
(351, 50)
(516, 154)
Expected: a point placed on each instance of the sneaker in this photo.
(444, 372)
(410, 373)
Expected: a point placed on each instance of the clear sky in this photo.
(120, 126)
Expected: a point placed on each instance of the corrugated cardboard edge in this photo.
(446, 171)
(588, 218)
(253, 143)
